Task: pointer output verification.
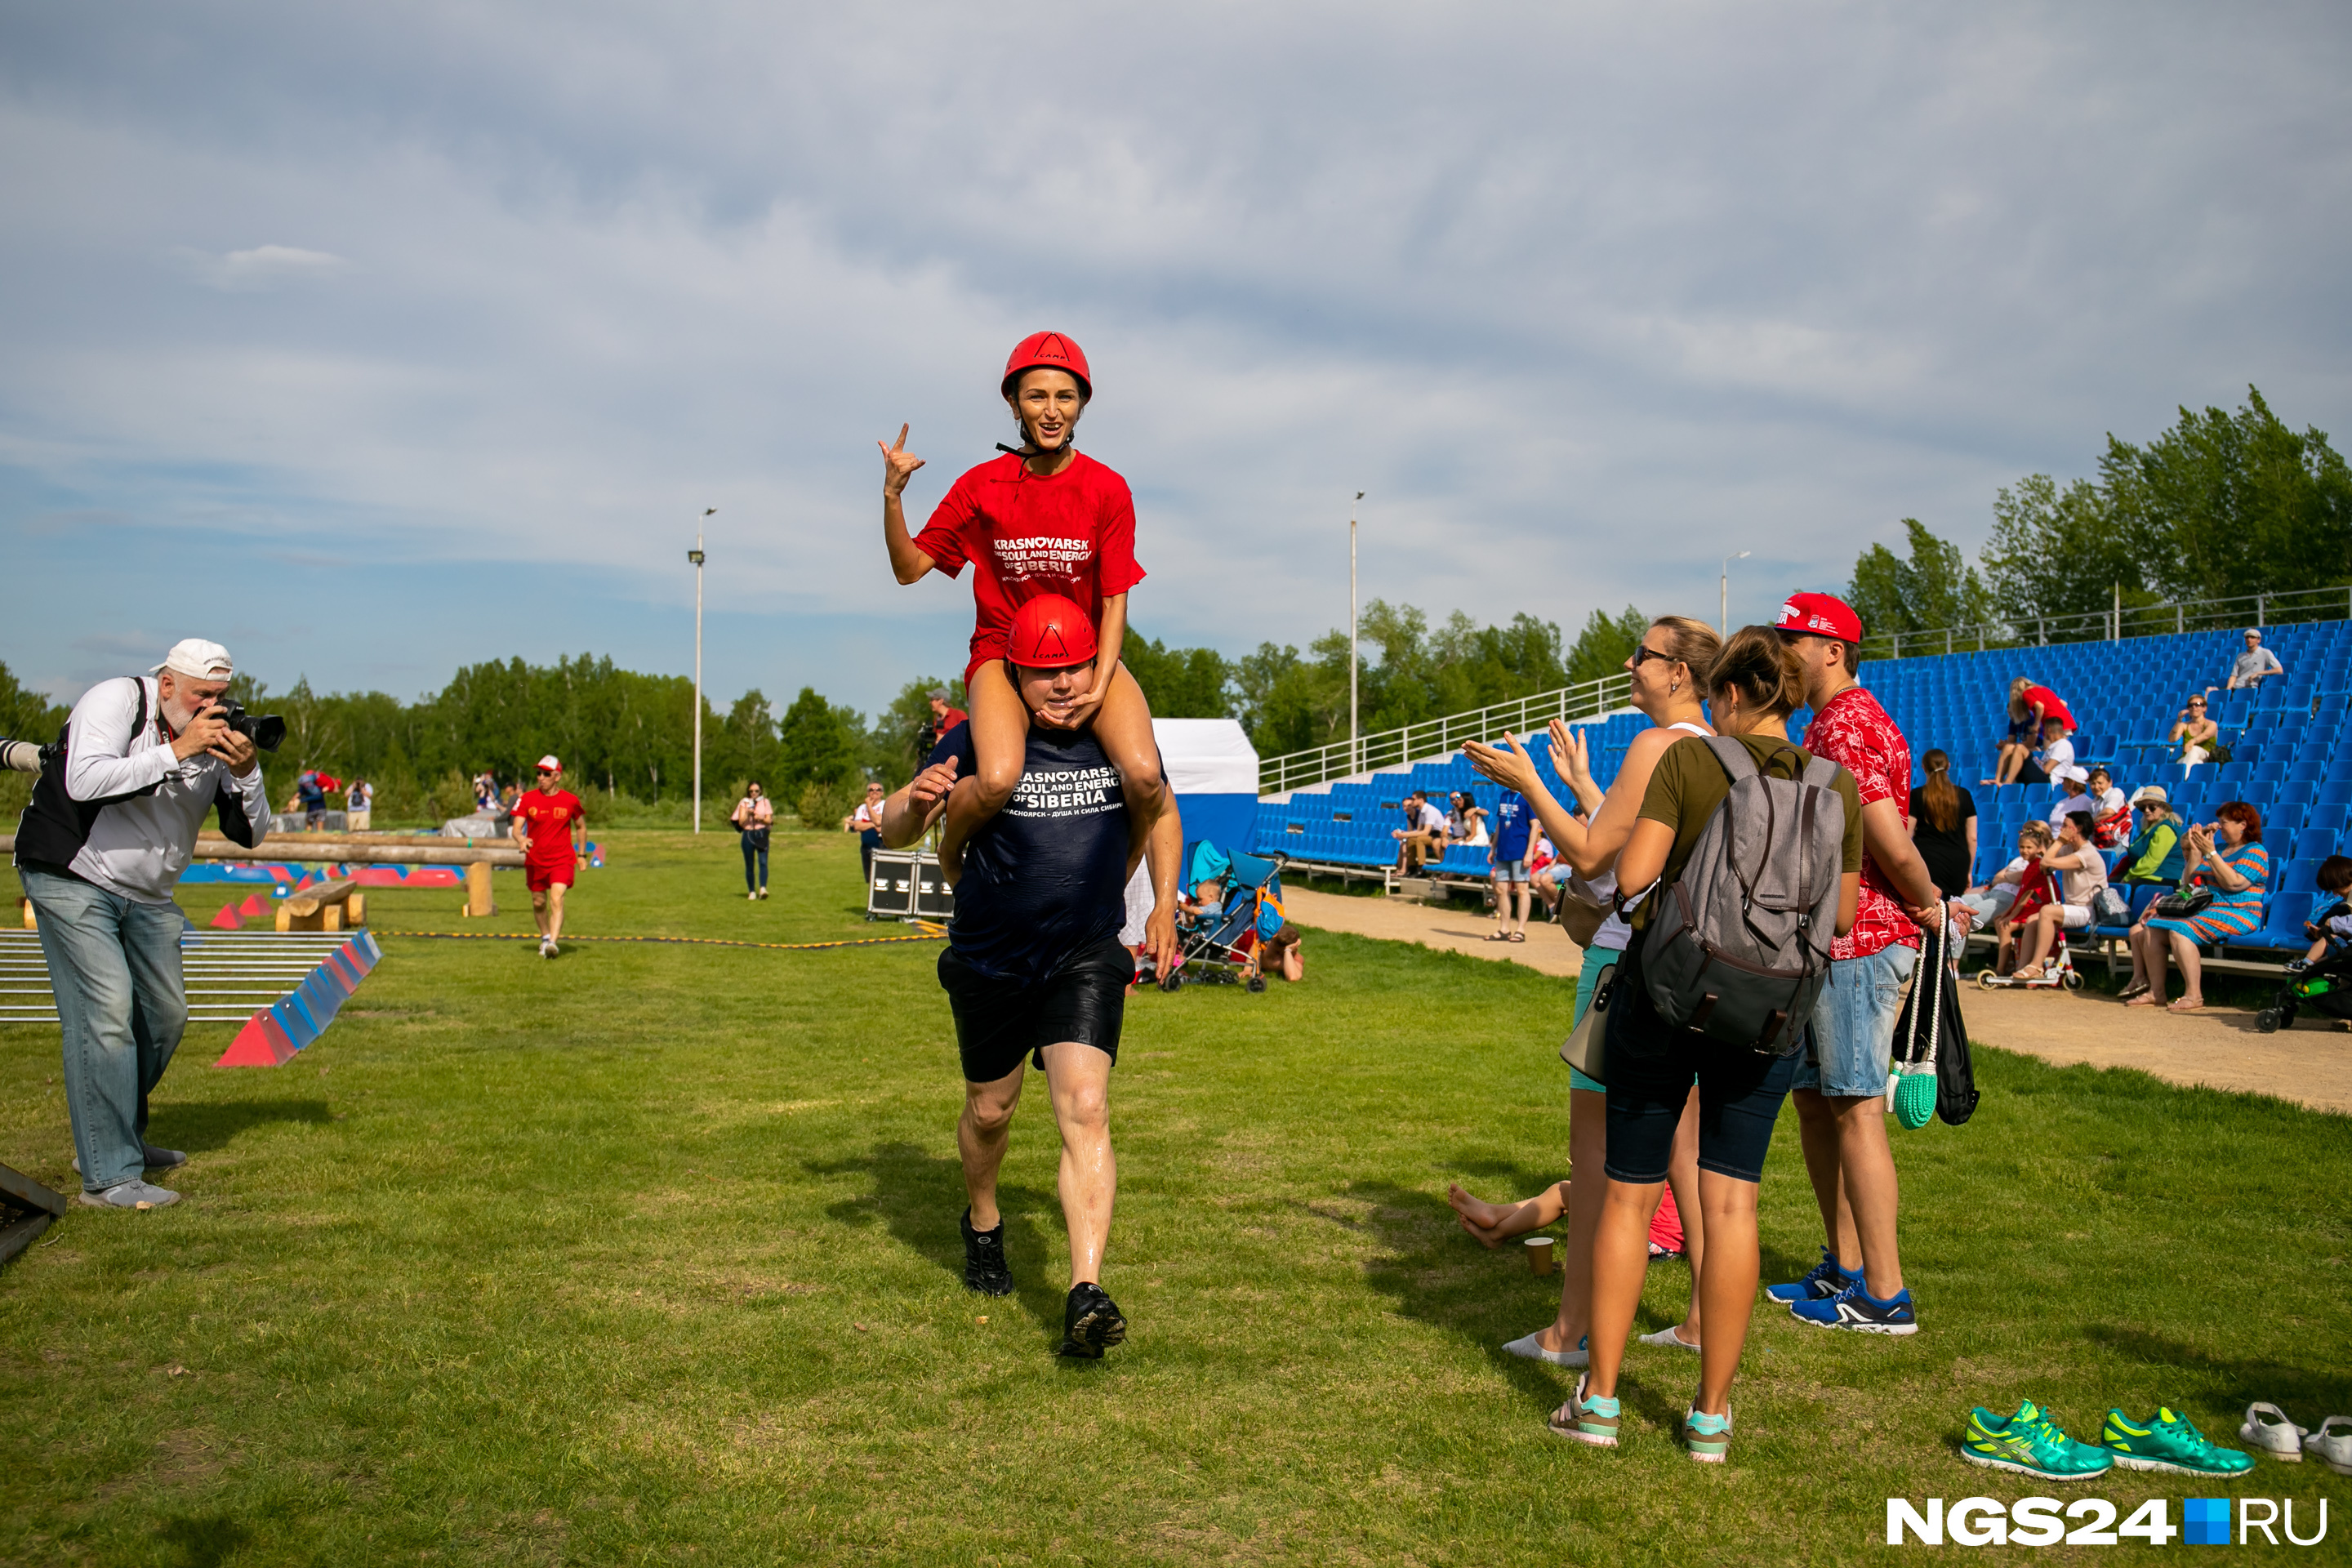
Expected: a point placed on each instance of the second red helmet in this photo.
(1048, 351)
(1049, 632)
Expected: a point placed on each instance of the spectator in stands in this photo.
(1989, 903)
(2330, 926)
(486, 795)
(2155, 854)
(1423, 836)
(2057, 752)
(2031, 709)
(1465, 822)
(2111, 815)
(359, 806)
(1507, 863)
(1284, 954)
(1944, 825)
(2074, 794)
(2081, 871)
(1668, 668)
(2196, 735)
(2226, 857)
(2251, 667)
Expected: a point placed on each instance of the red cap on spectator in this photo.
(1822, 616)
(1049, 632)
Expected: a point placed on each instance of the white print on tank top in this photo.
(1066, 792)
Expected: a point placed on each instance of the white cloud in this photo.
(263, 266)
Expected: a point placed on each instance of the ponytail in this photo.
(1940, 800)
(1768, 674)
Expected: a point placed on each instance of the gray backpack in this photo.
(1738, 947)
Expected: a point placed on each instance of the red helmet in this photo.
(1049, 632)
(1049, 350)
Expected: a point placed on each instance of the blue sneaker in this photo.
(1826, 1281)
(1855, 1308)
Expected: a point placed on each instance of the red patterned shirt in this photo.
(1853, 731)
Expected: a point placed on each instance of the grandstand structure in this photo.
(2290, 757)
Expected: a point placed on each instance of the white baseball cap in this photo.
(196, 656)
(548, 762)
(2070, 773)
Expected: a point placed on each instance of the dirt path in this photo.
(1456, 928)
(2310, 1064)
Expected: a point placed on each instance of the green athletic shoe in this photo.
(2030, 1443)
(2169, 1443)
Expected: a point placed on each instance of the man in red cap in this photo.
(551, 825)
(1034, 970)
(1840, 1086)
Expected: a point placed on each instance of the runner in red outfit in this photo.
(1042, 520)
(551, 825)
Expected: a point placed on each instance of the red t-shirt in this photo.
(1072, 534)
(950, 719)
(2051, 708)
(548, 818)
(1853, 731)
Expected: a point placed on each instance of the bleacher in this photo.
(2291, 755)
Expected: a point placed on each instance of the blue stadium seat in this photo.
(2314, 844)
(2281, 928)
(2301, 876)
(2332, 815)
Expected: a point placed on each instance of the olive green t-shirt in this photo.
(1689, 784)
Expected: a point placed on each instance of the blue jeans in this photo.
(114, 964)
(1851, 1036)
(755, 849)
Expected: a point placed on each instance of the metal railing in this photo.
(2117, 622)
(1434, 737)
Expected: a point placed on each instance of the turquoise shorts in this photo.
(1596, 959)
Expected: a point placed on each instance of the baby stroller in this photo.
(2324, 984)
(1220, 946)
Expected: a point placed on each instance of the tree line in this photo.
(2224, 505)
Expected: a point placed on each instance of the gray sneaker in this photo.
(132, 1196)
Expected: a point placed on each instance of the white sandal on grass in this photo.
(2332, 1443)
(2267, 1428)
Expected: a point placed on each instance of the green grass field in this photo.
(650, 1254)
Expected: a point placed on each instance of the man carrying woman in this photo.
(1756, 681)
(1668, 670)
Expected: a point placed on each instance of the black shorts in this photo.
(1650, 1065)
(1000, 1020)
(2031, 773)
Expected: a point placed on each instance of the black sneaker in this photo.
(1091, 1323)
(983, 1259)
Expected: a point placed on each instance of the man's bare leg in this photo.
(1079, 1077)
(553, 925)
(539, 912)
(1854, 1183)
(982, 1131)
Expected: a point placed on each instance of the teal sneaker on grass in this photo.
(2030, 1444)
(2169, 1443)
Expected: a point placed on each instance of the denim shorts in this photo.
(1508, 871)
(1851, 1042)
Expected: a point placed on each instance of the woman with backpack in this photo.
(1754, 685)
(1668, 668)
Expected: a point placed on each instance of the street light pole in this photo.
(1723, 611)
(1354, 752)
(695, 555)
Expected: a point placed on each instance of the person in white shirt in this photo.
(2255, 665)
(112, 824)
(2082, 872)
(2057, 754)
(866, 822)
(359, 803)
(1424, 835)
(2073, 796)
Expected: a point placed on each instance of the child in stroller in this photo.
(2323, 976)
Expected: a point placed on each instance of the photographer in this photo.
(112, 824)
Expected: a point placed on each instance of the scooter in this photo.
(2057, 971)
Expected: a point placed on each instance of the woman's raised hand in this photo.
(898, 465)
(1513, 768)
(1569, 759)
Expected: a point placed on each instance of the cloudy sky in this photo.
(373, 340)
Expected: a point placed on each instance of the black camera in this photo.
(267, 731)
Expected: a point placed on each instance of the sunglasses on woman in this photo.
(1644, 653)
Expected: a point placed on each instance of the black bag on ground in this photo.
(1738, 947)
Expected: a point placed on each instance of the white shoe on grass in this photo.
(132, 1196)
(2332, 1443)
(1532, 1349)
(2267, 1430)
(1670, 1338)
